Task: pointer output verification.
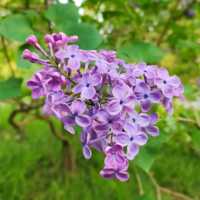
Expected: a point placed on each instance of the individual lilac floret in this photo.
(132, 138)
(151, 129)
(115, 164)
(76, 117)
(70, 56)
(170, 85)
(122, 100)
(146, 96)
(146, 71)
(104, 122)
(57, 103)
(36, 84)
(45, 81)
(86, 85)
(138, 119)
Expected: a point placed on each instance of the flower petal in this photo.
(87, 152)
(143, 120)
(114, 107)
(69, 129)
(122, 176)
(152, 130)
(77, 88)
(107, 173)
(61, 110)
(132, 151)
(88, 92)
(146, 105)
(83, 120)
(156, 95)
(121, 91)
(140, 139)
(131, 129)
(122, 139)
(101, 128)
(78, 107)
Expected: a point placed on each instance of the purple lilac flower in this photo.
(89, 138)
(138, 119)
(170, 85)
(44, 81)
(76, 116)
(121, 101)
(146, 96)
(57, 103)
(108, 99)
(132, 138)
(115, 164)
(104, 122)
(36, 84)
(71, 56)
(151, 129)
(86, 85)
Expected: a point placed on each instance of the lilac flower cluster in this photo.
(109, 99)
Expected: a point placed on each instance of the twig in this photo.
(24, 108)
(175, 194)
(139, 181)
(161, 189)
(5, 51)
(182, 119)
(157, 187)
(52, 127)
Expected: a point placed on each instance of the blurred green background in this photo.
(38, 161)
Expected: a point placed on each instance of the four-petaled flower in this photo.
(115, 164)
(86, 85)
(146, 96)
(122, 101)
(132, 138)
(76, 116)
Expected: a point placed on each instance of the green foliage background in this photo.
(32, 157)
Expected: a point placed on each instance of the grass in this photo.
(32, 169)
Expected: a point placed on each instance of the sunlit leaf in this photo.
(150, 152)
(141, 51)
(10, 88)
(15, 27)
(62, 15)
(89, 37)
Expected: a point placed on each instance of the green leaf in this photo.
(89, 37)
(62, 14)
(141, 51)
(149, 152)
(66, 19)
(15, 27)
(10, 88)
(145, 158)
